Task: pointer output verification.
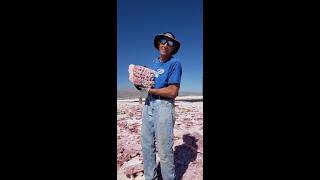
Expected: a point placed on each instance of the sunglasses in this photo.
(169, 43)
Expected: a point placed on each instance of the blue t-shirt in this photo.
(167, 73)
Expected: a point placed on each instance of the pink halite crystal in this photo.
(140, 75)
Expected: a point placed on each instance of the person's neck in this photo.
(165, 58)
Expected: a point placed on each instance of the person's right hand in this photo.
(142, 88)
(138, 87)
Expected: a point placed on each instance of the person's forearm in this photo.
(169, 92)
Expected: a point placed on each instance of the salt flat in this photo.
(179, 98)
(188, 141)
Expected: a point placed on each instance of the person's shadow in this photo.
(183, 155)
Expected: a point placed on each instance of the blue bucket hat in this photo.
(176, 43)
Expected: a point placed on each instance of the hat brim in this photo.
(176, 43)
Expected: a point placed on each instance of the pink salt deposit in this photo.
(188, 140)
(140, 75)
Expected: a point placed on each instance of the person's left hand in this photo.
(145, 89)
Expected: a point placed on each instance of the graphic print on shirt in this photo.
(159, 71)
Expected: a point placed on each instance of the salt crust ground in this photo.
(183, 101)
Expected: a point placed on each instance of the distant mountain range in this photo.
(128, 92)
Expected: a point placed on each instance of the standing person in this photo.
(158, 116)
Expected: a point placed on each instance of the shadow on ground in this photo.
(184, 154)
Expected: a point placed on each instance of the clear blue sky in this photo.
(138, 21)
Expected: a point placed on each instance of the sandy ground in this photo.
(189, 124)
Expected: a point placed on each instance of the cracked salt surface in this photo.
(188, 141)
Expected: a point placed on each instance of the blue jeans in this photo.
(158, 120)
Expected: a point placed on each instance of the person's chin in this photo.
(163, 53)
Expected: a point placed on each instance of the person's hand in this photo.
(138, 87)
(142, 88)
(145, 89)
